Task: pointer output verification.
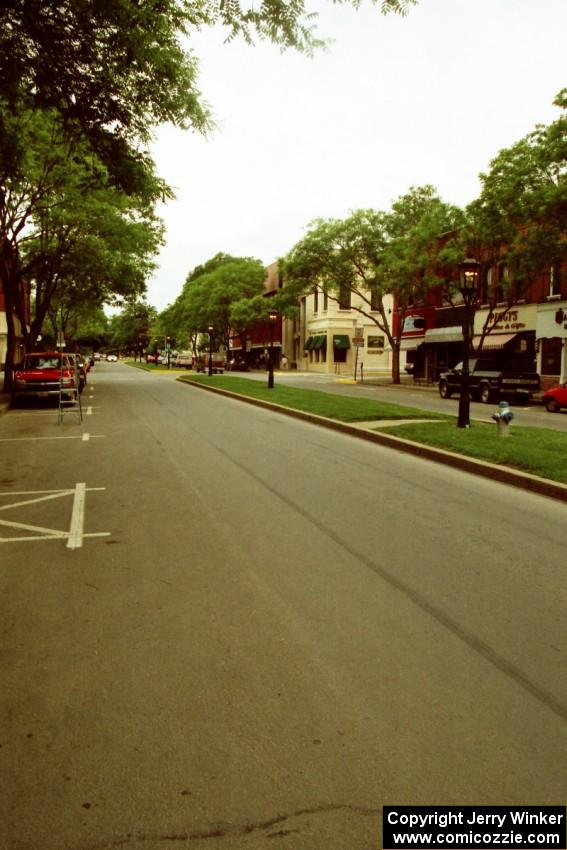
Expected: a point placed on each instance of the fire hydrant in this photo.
(503, 418)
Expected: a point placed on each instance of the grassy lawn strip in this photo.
(539, 451)
(331, 405)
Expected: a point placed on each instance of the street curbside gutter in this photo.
(502, 474)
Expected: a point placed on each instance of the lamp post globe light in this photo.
(211, 330)
(272, 319)
(468, 287)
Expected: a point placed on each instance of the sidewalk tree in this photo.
(65, 229)
(212, 291)
(517, 228)
(108, 73)
(408, 267)
(131, 329)
(373, 255)
(520, 217)
(116, 70)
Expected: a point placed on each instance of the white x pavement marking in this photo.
(74, 535)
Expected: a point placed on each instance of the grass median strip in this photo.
(331, 405)
(539, 451)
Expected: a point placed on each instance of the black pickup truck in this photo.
(489, 381)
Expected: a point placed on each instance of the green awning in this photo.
(309, 343)
(341, 341)
(320, 341)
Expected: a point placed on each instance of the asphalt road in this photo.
(226, 628)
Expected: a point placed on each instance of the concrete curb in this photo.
(504, 475)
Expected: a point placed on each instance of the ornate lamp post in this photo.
(272, 319)
(468, 287)
(211, 329)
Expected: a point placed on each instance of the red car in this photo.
(45, 374)
(555, 398)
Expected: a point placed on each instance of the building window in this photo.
(325, 300)
(315, 300)
(486, 287)
(554, 283)
(344, 297)
(374, 299)
(500, 288)
(376, 343)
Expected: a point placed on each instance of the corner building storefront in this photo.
(510, 333)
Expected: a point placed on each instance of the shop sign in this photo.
(552, 321)
(506, 320)
(413, 324)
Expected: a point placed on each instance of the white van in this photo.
(184, 360)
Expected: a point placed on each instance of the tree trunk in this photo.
(11, 338)
(396, 362)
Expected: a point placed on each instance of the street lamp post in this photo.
(272, 319)
(211, 331)
(468, 287)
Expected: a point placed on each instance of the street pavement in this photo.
(227, 628)
(417, 395)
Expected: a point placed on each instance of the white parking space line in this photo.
(76, 533)
(83, 437)
(75, 540)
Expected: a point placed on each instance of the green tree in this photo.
(520, 217)
(131, 329)
(92, 330)
(65, 227)
(374, 256)
(210, 295)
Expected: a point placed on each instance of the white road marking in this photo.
(75, 540)
(74, 536)
(83, 437)
(58, 536)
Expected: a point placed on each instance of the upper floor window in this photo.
(485, 286)
(554, 283)
(315, 300)
(325, 300)
(344, 298)
(374, 299)
(501, 284)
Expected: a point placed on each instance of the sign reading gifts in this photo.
(521, 317)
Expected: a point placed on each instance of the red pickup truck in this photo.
(44, 373)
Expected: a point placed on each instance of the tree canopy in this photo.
(521, 212)
(373, 254)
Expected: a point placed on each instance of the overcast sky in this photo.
(394, 103)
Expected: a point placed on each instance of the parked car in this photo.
(555, 398)
(201, 364)
(237, 364)
(111, 358)
(490, 380)
(184, 360)
(44, 374)
(82, 369)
